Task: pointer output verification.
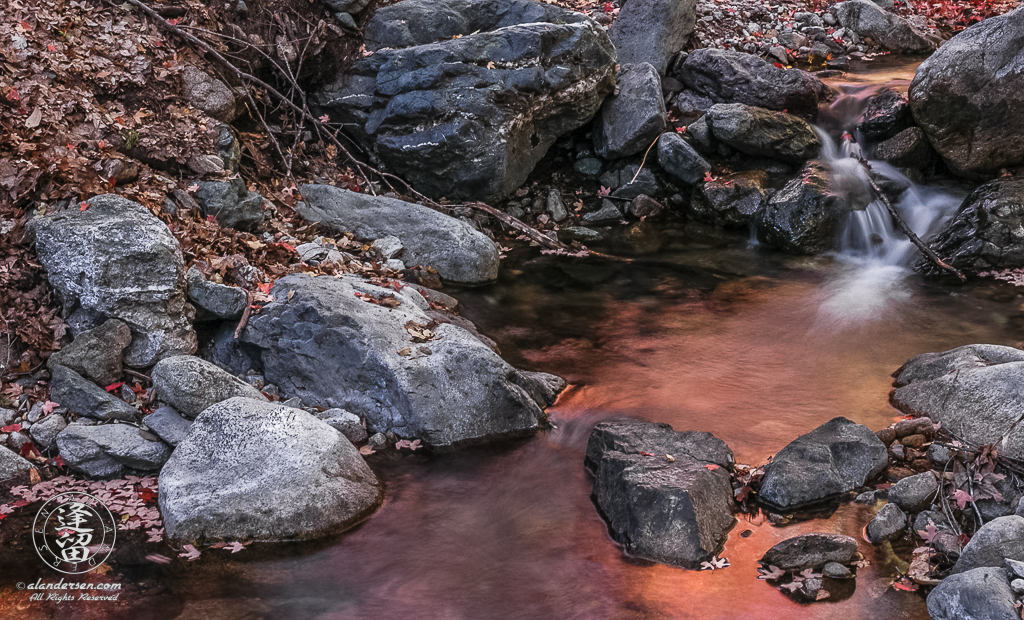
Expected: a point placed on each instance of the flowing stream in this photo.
(700, 330)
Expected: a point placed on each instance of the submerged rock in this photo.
(673, 506)
(96, 353)
(634, 117)
(894, 33)
(469, 117)
(974, 389)
(763, 133)
(115, 259)
(455, 249)
(191, 384)
(110, 450)
(811, 551)
(836, 457)
(967, 97)
(807, 215)
(652, 31)
(980, 594)
(888, 524)
(253, 469)
(395, 367)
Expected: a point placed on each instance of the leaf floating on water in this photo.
(771, 573)
(822, 594)
(405, 443)
(235, 547)
(715, 564)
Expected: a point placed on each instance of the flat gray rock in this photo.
(83, 397)
(219, 301)
(811, 551)
(763, 133)
(191, 384)
(168, 425)
(110, 450)
(44, 432)
(253, 469)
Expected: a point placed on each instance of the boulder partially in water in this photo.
(666, 495)
(732, 201)
(887, 114)
(806, 216)
(812, 550)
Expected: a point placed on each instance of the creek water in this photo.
(699, 329)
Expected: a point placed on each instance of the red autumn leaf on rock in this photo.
(49, 406)
(646, 453)
(58, 461)
(711, 467)
(29, 451)
(114, 386)
(83, 206)
(608, 8)
(287, 246)
(905, 585)
(265, 287)
(708, 178)
(779, 65)
(13, 428)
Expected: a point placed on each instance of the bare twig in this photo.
(245, 314)
(644, 160)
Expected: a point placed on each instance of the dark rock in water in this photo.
(674, 511)
(83, 397)
(888, 524)
(732, 201)
(806, 216)
(763, 133)
(632, 119)
(191, 384)
(887, 114)
(470, 117)
(116, 260)
(645, 206)
(811, 551)
(907, 149)
(588, 166)
(995, 542)
(168, 425)
(231, 203)
(835, 570)
(458, 252)
(915, 493)
(252, 469)
(727, 76)
(834, 458)
(96, 353)
(974, 389)
(110, 450)
(968, 103)
(219, 301)
(652, 31)
(980, 594)
(984, 232)
(331, 349)
(894, 33)
(679, 159)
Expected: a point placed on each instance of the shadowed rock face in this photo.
(470, 117)
(807, 215)
(967, 97)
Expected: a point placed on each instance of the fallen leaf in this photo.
(34, 119)
(235, 547)
(366, 450)
(12, 428)
(711, 467)
(191, 553)
(771, 573)
(405, 351)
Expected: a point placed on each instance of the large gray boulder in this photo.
(675, 511)
(191, 384)
(763, 133)
(115, 259)
(836, 457)
(632, 119)
(995, 542)
(324, 344)
(811, 551)
(806, 216)
(81, 396)
(727, 76)
(470, 117)
(969, 103)
(980, 594)
(96, 353)
(252, 469)
(110, 450)
(652, 31)
(973, 390)
(455, 249)
(984, 233)
(868, 20)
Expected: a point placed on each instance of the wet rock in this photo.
(244, 456)
(915, 493)
(889, 30)
(168, 425)
(887, 435)
(347, 423)
(588, 166)
(980, 594)
(888, 524)
(887, 114)
(455, 249)
(968, 103)
(651, 31)
(543, 387)
(110, 450)
(12, 466)
(191, 384)
(835, 570)
(231, 203)
(763, 133)
(679, 159)
(331, 349)
(973, 389)
(83, 397)
(984, 232)
(96, 353)
(811, 551)
(629, 180)
(914, 426)
(907, 149)
(209, 94)
(217, 300)
(732, 201)
(995, 542)
(677, 511)
(806, 216)
(44, 432)
(644, 206)
(634, 117)
(117, 260)
(834, 458)
(727, 76)
(607, 213)
(555, 206)
(470, 117)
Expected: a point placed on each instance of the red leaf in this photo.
(646, 454)
(51, 48)
(58, 461)
(711, 467)
(779, 65)
(83, 206)
(708, 178)
(265, 287)
(114, 386)
(13, 95)
(28, 449)
(287, 246)
(13, 428)
(962, 497)
(147, 495)
(905, 585)
(608, 8)
(112, 182)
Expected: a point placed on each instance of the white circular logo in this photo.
(74, 532)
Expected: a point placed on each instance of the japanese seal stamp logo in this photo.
(74, 533)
